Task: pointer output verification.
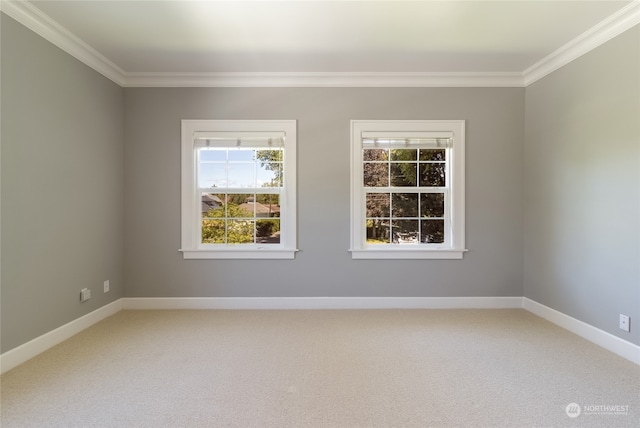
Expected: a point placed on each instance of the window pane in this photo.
(432, 205)
(269, 174)
(208, 155)
(403, 174)
(375, 155)
(267, 205)
(242, 155)
(212, 206)
(432, 231)
(404, 205)
(404, 154)
(432, 154)
(268, 231)
(376, 174)
(432, 174)
(240, 231)
(378, 232)
(241, 175)
(405, 231)
(378, 204)
(240, 205)
(269, 155)
(213, 231)
(212, 175)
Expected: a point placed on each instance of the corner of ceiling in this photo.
(38, 22)
(606, 30)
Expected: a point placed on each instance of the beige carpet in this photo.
(342, 368)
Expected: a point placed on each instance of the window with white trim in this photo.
(407, 189)
(238, 189)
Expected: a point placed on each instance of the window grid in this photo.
(247, 229)
(260, 223)
(255, 163)
(391, 157)
(420, 218)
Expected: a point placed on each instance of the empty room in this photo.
(320, 213)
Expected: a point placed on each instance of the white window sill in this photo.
(240, 253)
(401, 253)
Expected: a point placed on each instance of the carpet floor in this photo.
(323, 368)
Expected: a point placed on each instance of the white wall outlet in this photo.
(625, 323)
(85, 294)
(106, 286)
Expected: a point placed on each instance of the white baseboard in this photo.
(593, 334)
(22, 353)
(321, 302)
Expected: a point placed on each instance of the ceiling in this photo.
(329, 38)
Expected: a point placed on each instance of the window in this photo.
(407, 189)
(238, 189)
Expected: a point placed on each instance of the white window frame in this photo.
(454, 246)
(192, 247)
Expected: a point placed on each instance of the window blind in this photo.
(399, 140)
(239, 139)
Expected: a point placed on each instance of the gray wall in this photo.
(495, 135)
(62, 186)
(582, 183)
(64, 209)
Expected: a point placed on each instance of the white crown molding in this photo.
(38, 22)
(31, 17)
(606, 30)
(326, 79)
(34, 19)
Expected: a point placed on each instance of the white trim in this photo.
(24, 352)
(325, 79)
(263, 253)
(321, 303)
(593, 334)
(34, 19)
(405, 254)
(191, 246)
(40, 23)
(454, 245)
(606, 30)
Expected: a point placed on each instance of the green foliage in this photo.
(213, 232)
(269, 155)
(268, 199)
(404, 168)
(271, 160)
(230, 226)
(377, 204)
(240, 231)
(229, 210)
(404, 174)
(265, 228)
(234, 200)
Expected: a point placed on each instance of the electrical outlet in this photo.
(625, 323)
(106, 286)
(85, 294)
